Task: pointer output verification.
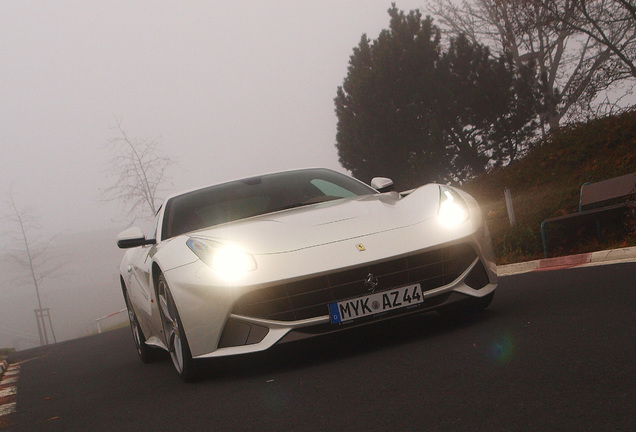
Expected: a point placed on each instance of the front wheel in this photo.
(146, 353)
(174, 335)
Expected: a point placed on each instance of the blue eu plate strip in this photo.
(334, 313)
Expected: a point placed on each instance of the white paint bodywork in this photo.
(292, 245)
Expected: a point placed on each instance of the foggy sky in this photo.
(230, 89)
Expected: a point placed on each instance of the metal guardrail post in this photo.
(509, 207)
(544, 240)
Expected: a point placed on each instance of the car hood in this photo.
(327, 222)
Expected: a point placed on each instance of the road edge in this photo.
(591, 258)
(4, 366)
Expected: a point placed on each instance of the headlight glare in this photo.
(452, 208)
(230, 262)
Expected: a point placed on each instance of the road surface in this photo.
(555, 351)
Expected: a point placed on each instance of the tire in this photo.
(175, 337)
(146, 353)
(468, 306)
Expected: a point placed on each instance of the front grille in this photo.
(309, 298)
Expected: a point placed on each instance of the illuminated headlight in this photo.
(230, 262)
(452, 208)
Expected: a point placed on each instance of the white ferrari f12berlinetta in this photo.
(240, 266)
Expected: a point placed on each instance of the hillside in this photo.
(547, 183)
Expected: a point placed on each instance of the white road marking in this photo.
(8, 391)
(7, 408)
(10, 380)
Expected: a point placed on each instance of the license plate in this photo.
(375, 303)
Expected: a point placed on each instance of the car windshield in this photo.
(256, 196)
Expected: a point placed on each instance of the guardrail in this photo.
(98, 320)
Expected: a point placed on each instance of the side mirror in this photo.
(382, 184)
(133, 237)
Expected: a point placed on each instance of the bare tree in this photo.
(573, 67)
(139, 170)
(35, 259)
(611, 23)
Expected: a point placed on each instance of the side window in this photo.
(331, 189)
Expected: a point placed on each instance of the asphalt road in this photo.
(555, 351)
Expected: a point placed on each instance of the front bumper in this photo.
(244, 333)
(219, 321)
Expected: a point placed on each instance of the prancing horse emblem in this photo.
(371, 282)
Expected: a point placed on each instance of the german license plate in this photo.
(375, 303)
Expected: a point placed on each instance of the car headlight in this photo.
(230, 262)
(452, 208)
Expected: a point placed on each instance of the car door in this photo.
(140, 284)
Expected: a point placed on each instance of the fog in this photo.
(229, 89)
(85, 287)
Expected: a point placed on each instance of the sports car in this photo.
(241, 266)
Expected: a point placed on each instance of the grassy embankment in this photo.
(547, 182)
